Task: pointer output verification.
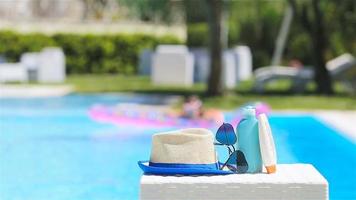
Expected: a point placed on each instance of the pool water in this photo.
(51, 149)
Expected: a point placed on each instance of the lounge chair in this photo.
(342, 68)
(51, 66)
(172, 65)
(13, 72)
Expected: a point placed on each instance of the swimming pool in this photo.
(51, 149)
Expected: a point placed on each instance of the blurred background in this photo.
(85, 83)
(112, 38)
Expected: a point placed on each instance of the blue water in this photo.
(51, 149)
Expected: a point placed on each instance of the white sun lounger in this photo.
(13, 72)
(172, 65)
(342, 68)
(295, 181)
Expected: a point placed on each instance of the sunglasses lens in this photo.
(242, 165)
(231, 162)
(232, 159)
(237, 162)
(231, 167)
(226, 134)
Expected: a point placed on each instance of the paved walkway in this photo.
(344, 121)
(30, 91)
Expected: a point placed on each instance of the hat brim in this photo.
(144, 165)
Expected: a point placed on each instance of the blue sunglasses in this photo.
(236, 161)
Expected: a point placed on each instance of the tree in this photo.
(312, 20)
(215, 87)
(152, 10)
(97, 9)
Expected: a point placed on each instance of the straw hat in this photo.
(186, 151)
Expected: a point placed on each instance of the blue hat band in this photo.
(213, 166)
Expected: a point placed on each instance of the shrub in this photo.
(197, 34)
(86, 53)
(12, 45)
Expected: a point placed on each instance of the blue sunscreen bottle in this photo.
(248, 140)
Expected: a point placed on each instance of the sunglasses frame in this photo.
(231, 151)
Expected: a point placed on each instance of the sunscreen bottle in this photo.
(248, 140)
(268, 149)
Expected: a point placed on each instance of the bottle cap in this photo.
(271, 169)
(249, 111)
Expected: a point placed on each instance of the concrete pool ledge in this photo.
(292, 181)
(343, 121)
(31, 91)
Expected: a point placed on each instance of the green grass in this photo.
(307, 102)
(277, 95)
(121, 83)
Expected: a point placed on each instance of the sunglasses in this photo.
(236, 161)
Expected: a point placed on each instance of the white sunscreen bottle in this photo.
(267, 147)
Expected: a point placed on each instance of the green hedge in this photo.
(86, 53)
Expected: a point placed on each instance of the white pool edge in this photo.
(33, 91)
(342, 121)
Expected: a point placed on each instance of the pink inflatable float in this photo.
(154, 118)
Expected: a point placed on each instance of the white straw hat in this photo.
(186, 151)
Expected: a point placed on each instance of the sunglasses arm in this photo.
(233, 148)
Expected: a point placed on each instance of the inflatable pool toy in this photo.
(268, 149)
(160, 116)
(144, 117)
